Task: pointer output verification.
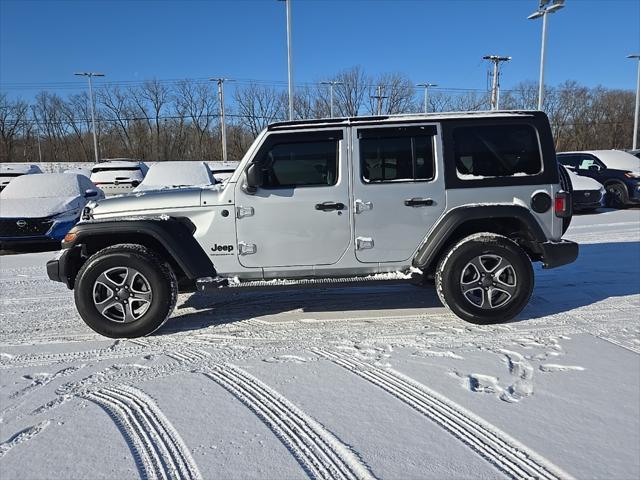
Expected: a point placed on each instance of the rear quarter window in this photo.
(492, 151)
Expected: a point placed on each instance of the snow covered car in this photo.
(164, 175)
(618, 171)
(467, 199)
(9, 171)
(36, 208)
(80, 171)
(587, 194)
(115, 177)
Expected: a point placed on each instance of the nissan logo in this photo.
(21, 223)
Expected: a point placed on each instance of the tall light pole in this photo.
(90, 75)
(426, 87)
(495, 88)
(635, 121)
(223, 130)
(289, 61)
(543, 11)
(331, 84)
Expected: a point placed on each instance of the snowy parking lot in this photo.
(361, 383)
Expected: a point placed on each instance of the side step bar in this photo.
(210, 285)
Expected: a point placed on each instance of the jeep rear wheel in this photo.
(125, 291)
(485, 278)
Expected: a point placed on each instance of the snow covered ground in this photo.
(362, 383)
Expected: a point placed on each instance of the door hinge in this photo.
(247, 248)
(363, 206)
(364, 243)
(242, 212)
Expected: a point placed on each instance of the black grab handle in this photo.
(418, 202)
(329, 206)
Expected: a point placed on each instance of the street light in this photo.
(635, 121)
(331, 85)
(289, 64)
(90, 75)
(542, 11)
(426, 87)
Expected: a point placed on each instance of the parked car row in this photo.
(617, 171)
(44, 207)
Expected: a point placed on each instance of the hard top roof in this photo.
(405, 117)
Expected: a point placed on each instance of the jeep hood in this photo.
(152, 200)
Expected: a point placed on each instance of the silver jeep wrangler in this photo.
(467, 199)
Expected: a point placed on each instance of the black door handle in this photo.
(418, 202)
(329, 206)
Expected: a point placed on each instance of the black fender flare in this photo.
(432, 245)
(175, 235)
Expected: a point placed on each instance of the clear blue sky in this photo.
(442, 41)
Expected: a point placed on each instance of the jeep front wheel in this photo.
(485, 278)
(125, 291)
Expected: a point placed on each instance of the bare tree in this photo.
(350, 94)
(258, 106)
(399, 93)
(13, 116)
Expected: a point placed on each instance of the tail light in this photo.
(562, 204)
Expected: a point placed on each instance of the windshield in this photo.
(114, 169)
(54, 185)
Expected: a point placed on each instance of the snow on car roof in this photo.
(116, 164)
(18, 168)
(44, 185)
(171, 174)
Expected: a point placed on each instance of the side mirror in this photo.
(90, 193)
(135, 183)
(594, 168)
(253, 178)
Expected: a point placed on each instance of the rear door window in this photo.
(485, 151)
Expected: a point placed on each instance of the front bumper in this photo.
(556, 254)
(61, 269)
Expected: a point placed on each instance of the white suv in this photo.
(118, 176)
(470, 199)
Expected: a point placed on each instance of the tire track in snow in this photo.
(158, 449)
(500, 449)
(319, 452)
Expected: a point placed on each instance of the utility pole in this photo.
(426, 87)
(90, 75)
(35, 119)
(331, 84)
(379, 98)
(223, 129)
(495, 87)
(635, 121)
(543, 11)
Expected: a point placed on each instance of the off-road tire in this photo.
(449, 278)
(155, 271)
